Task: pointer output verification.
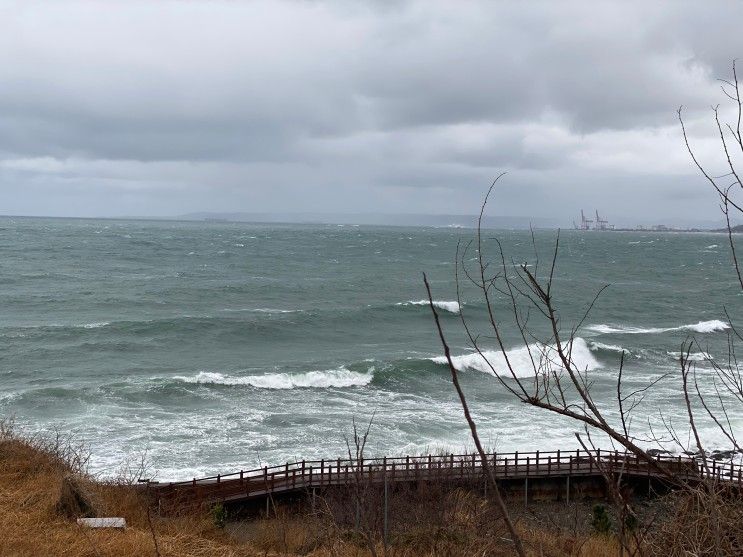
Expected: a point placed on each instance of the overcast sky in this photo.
(164, 108)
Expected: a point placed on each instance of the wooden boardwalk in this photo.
(304, 476)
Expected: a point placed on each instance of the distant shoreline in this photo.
(666, 230)
(455, 226)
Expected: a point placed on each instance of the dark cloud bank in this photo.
(165, 108)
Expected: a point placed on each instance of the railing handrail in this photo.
(514, 459)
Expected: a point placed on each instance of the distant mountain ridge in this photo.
(734, 229)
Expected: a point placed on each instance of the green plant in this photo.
(219, 515)
(601, 521)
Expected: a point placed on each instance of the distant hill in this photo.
(738, 229)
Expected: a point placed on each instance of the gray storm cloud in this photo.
(161, 108)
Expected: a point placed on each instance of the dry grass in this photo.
(299, 536)
(705, 522)
(34, 509)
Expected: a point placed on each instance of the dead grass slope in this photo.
(44, 488)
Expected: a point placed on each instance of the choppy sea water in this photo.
(219, 346)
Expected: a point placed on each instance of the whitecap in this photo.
(707, 326)
(332, 378)
(96, 325)
(711, 326)
(451, 307)
(713, 246)
(545, 357)
(622, 329)
(601, 346)
(692, 356)
(262, 310)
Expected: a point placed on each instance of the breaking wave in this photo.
(708, 326)
(338, 378)
(608, 347)
(693, 356)
(545, 357)
(712, 326)
(96, 325)
(451, 307)
(261, 310)
(55, 326)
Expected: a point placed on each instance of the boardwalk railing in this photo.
(303, 475)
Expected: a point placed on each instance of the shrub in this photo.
(219, 515)
(601, 521)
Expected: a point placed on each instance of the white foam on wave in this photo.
(708, 326)
(545, 357)
(692, 356)
(712, 326)
(713, 246)
(601, 346)
(96, 325)
(261, 310)
(451, 307)
(622, 329)
(332, 378)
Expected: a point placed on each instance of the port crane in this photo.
(585, 223)
(590, 224)
(601, 224)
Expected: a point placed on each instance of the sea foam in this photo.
(96, 325)
(337, 378)
(261, 310)
(545, 357)
(610, 347)
(692, 356)
(708, 326)
(712, 326)
(451, 307)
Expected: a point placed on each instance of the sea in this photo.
(212, 347)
